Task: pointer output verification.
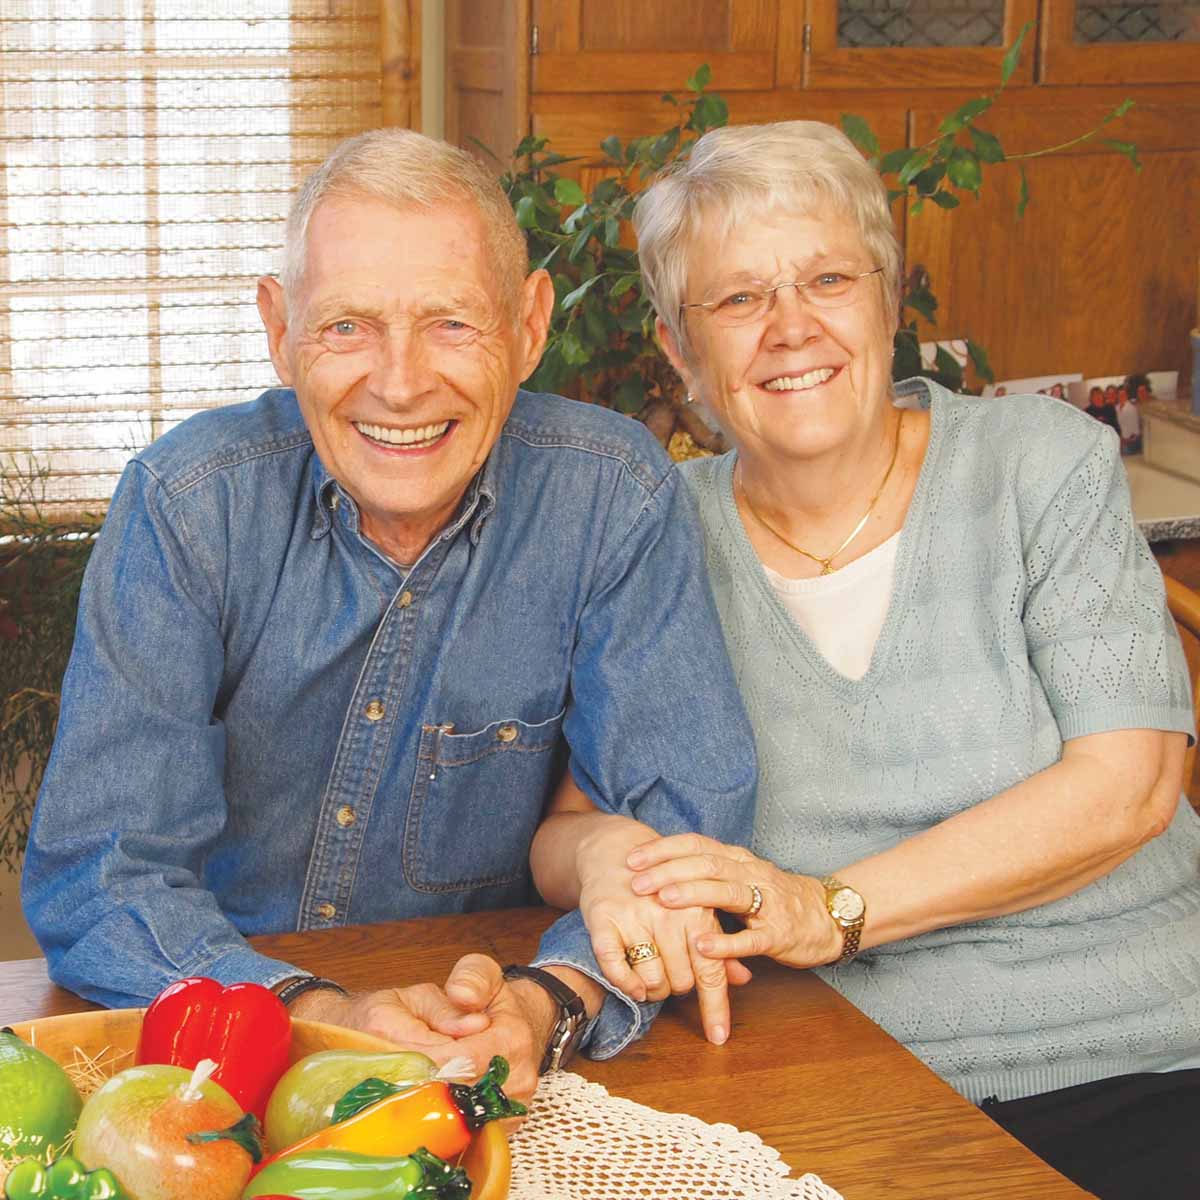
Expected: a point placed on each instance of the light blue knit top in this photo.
(1026, 608)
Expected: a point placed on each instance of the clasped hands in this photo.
(477, 1013)
(665, 891)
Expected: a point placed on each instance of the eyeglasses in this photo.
(830, 289)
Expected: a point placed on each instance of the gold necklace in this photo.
(826, 567)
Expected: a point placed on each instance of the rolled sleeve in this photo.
(620, 1020)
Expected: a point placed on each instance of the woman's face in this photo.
(800, 381)
(1110, 394)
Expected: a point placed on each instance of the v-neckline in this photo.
(755, 576)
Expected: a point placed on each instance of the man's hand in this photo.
(418, 1018)
(521, 1016)
(476, 1015)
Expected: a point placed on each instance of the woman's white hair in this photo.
(408, 170)
(736, 174)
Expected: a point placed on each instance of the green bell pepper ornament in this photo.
(64, 1179)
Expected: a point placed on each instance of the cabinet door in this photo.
(1121, 41)
(652, 45)
(913, 43)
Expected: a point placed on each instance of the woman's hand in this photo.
(617, 919)
(792, 925)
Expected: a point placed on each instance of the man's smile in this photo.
(415, 437)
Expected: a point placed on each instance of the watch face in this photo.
(847, 904)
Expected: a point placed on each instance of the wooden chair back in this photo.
(1185, 608)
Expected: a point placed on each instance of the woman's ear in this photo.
(670, 347)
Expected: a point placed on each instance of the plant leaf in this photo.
(965, 114)
(987, 146)
(612, 231)
(1023, 194)
(859, 132)
(964, 169)
(1014, 54)
(623, 285)
(567, 191)
(700, 80)
(926, 182)
(979, 360)
(1129, 149)
(710, 112)
(895, 160)
(526, 212)
(573, 298)
(946, 368)
(944, 199)
(923, 302)
(630, 397)
(913, 167)
(612, 148)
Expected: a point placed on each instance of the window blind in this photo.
(149, 155)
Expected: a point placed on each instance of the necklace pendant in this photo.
(827, 567)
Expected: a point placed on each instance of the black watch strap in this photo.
(572, 1020)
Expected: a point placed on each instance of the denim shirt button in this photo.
(374, 710)
(327, 911)
(506, 733)
(346, 816)
(406, 598)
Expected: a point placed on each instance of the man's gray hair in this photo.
(734, 176)
(408, 170)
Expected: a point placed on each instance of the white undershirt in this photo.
(843, 613)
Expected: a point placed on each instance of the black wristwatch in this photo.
(572, 1016)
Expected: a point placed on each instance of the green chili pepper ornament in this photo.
(64, 1179)
(308, 1175)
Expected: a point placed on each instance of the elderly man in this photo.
(336, 646)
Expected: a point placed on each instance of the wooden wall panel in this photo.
(1099, 275)
(400, 63)
(606, 46)
(487, 74)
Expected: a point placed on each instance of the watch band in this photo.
(295, 987)
(572, 1015)
(851, 927)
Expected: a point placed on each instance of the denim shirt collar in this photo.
(480, 499)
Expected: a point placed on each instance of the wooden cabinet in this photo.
(633, 45)
(1118, 41)
(932, 43)
(1099, 275)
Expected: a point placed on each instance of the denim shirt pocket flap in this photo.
(477, 800)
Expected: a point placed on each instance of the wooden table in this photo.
(804, 1069)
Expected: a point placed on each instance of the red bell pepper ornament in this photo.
(244, 1028)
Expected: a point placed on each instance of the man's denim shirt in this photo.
(267, 725)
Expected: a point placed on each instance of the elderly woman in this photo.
(970, 703)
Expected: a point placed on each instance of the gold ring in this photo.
(755, 904)
(642, 952)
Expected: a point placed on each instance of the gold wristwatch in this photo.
(848, 910)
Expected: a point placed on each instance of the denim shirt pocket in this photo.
(476, 802)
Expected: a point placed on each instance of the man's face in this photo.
(404, 357)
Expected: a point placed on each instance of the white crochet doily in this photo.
(580, 1143)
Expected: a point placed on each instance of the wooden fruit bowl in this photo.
(111, 1035)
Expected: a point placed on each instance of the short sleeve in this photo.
(1100, 637)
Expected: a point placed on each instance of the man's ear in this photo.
(537, 303)
(272, 308)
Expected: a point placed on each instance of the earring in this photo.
(689, 399)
